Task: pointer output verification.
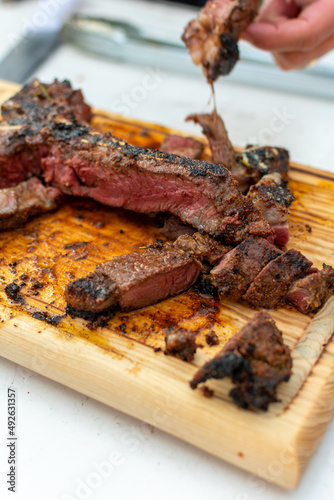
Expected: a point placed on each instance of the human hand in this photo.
(296, 32)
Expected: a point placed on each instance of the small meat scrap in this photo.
(203, 246)
(239, 267)
(212, 38)
(173, 227)
(256, 359)
(182, 146)
(28, 198)
(273, 200)
(310, 293)
(182, 344)
(258, 161)
(271, 285)
(135, 280)
(214, 129)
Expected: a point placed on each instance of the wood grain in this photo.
(117, 363)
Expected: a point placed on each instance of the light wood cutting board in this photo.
(118, 362)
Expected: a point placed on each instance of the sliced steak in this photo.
(256, 359)
(173, 227)
(238, 268)
(182, 146)
(258, 161)
(271, 285)
(273, 200)
(212, 37)
(82, 161)
(214, 129)
(28, 198)
(203, 247)
(135, 280)
(310, 293)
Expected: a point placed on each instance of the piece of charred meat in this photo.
(28, 198)
(173, 227)
(214, 130)
(256, 359)
(273, 200)
(203, 247)
(181, 343)
(269, 288)
(310, 293)
(212, 38)
(182, 146)
(81, 161)
(135, 280)
(239, 267)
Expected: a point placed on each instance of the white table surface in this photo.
(63, 436)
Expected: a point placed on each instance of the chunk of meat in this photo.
(212, 38)
(310, 293)
(182, 146)
(28, 198)
(203, 247)
(239, 267)
(271, 285)
(182, 344)
(256, 359)
(135, 280)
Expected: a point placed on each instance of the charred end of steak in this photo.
(181, 344)
(212, 38)
(256, 359)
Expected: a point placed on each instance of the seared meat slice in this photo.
(238, 268)
(135, 280)
(24, 200)
(310, 293)
(271, 285)
(203, 247)
(173, 227)
(182, 146)
(214, 129)
(273, 200)
(84, 162)
(212, 37)
(181, 343)
(257, 161)
(256, 359)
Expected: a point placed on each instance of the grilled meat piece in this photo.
(256, 359)
(271, 285)
(214, 129)
(182, 146)
(181, 344)
(173, 227)
(135, 280)
(81, 161)
(28, 198)
(257, 161)
(212, 37)
(239, 267)
(203, 247)
(273, 200)
(309, 294)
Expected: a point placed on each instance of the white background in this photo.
(63, 437)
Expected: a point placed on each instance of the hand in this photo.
(296, 32)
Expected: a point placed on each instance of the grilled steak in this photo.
(173, 227)
(84, 162)
(182, 146)
(310, 293)
(239, 267)
(214, 129)
(258, 161)
(271, 285)
(134, 281)
(273, 200)
(24, 200)
(203, 247)
(181, 344)
(256, 359)
(212, 37)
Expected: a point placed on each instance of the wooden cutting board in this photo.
(117, 362)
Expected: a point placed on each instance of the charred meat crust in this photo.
(28, 198)
(81, 161)
(181, 344)
(212, 37)
(135, 280)
(256, 359)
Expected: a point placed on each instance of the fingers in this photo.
(298, 60)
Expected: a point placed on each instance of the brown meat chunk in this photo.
(271, 285)
(182, 146)
(203, 247)
(182, 344)
(256, 359)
